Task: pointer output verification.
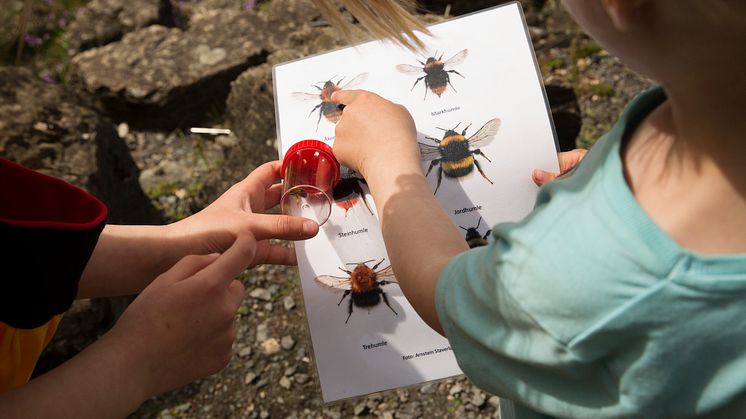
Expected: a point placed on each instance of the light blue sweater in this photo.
(586, 309)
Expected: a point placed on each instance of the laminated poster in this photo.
(483, 124)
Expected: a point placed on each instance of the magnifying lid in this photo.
(310, 172)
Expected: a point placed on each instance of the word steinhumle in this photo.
(352, 233)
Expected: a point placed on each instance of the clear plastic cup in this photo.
(310, 173)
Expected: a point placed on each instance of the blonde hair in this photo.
(390, 19)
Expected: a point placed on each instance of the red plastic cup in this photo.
(310, 173)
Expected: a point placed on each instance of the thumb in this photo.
(541, 177)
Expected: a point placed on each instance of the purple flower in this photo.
(46, 75)
(32, 40)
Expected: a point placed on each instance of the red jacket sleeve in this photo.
(48, 230)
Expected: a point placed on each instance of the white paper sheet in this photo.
(493, 76)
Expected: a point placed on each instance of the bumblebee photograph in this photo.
(329, 110)
(362, 284)
(437, 72)
(455, 155)
(473, 237)
(349, 191)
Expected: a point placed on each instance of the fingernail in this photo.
(309, 228)
(538, 176)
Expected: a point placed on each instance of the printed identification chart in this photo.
(483, 125)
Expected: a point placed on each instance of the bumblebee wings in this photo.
(358, 80)
(306, 96)
(485, 135)
(386, 274)
(429, 152)
(456, 59)
(334, 282)
(409, 69)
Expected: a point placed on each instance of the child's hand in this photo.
(241, 210)
(181, 327)
(567, 160)
(374, 134)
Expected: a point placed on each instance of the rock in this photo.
(428, 388)
(455, 389)
(301, 378)
(250, 105)
(287, 342)
(122, 130)
(162, 77)
(359, 409)
(261, 332)
(244, 351)
(288, 302)
(285, 383)
(260, 294)
(249, 378)
(494, 401)
(478, 399)
(271, 346)
(47, 128)
(100, 22)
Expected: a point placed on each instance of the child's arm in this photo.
(180, 328)
(378, 139)
(127, 258)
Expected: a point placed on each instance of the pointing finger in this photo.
(278, 255)
(345, 97)
(232, 262)
(285, 227)
(187, 266)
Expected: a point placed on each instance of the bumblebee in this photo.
(349, 191)
(363, 285)
(436, 72)
(330, 110)
(455, 153)
(473, 238)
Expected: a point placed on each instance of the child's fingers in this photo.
(232, 262)
(568, 159)
(263, 176)
(285, 227)
(272, 196)
(187, 266)
(236, 290)
(540, 177)
(280, 255)
(345, 96)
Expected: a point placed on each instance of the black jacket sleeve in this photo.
(48, 230)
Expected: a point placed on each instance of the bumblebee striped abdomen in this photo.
(456, 159)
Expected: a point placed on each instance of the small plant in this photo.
(35, 35)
